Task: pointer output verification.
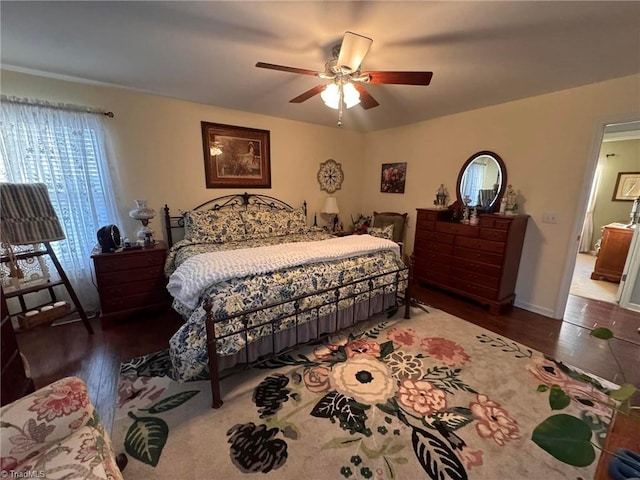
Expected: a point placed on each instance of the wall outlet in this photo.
(549, 218)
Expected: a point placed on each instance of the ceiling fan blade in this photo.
(366, 100)
(400, 78)
(308, 94)
(352, 51)
(282, 68)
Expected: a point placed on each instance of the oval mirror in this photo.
(482, 181)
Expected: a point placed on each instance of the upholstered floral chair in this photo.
(56, 433)
(390, 225)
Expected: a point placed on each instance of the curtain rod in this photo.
(59, 106)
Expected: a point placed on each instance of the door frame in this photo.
(581, 205)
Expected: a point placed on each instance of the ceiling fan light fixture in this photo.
(331, 96)
(351, 95)
(332, 93)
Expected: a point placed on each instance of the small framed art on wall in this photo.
(393, 177)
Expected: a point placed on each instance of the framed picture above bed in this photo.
(235, 156)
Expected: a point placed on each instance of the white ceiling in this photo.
(481, 53)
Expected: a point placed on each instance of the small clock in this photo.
(330, 176)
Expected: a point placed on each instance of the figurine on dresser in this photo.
(510, 198)
(441, 197)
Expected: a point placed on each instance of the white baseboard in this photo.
(546, 312)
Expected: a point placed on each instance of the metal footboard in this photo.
(365, 289)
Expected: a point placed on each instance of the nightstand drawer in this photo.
(129, 262)
(128, 289)
(117, 304)
(130, 276)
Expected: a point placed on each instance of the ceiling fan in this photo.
(347, 87)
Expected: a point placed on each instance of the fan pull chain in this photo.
(340, 106)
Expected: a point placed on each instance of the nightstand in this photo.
(130, 281)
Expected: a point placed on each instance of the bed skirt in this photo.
(306, 332)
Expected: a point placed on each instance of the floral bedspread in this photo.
(188, 345)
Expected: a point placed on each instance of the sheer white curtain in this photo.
(66, 150)
(587, 227)
(473, 181)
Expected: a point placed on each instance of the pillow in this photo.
(274, 223)
(213, 226)
(382, 232)
(398, 221)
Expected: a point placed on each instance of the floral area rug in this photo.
(431, 397)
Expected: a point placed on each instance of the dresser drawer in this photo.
(422, 235)
(440, 263)
(467, 275)
(498, 222)
(439, 278)
(427, 216)
(493, 234)
(129, 262)
(494, 271)
(478, 290)
(430, 246)
(478, 256)
(480, 244)
(458, 229)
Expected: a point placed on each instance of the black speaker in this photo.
(109, 238)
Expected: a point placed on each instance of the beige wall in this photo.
(157, 148)
(624, 156)
(546, 143)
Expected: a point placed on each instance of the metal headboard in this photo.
(239, 201)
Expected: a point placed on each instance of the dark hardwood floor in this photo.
(55, 352)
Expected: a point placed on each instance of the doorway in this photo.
(605, 230)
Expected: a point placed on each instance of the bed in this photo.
(251, 279)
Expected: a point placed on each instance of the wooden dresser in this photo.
(14, 382)
(130, 281)
(476, 261)
(616, 239)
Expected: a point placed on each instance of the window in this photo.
(472, 184)
(65, 150)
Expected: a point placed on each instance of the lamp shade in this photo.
(142, 211)
(27, 215)
(330, 205)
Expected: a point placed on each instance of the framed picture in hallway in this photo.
(627, 187)
(235, 156)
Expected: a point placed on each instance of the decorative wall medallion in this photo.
(330, 176)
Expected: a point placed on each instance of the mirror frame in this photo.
(495, 206)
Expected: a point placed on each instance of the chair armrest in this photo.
(47, 415)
